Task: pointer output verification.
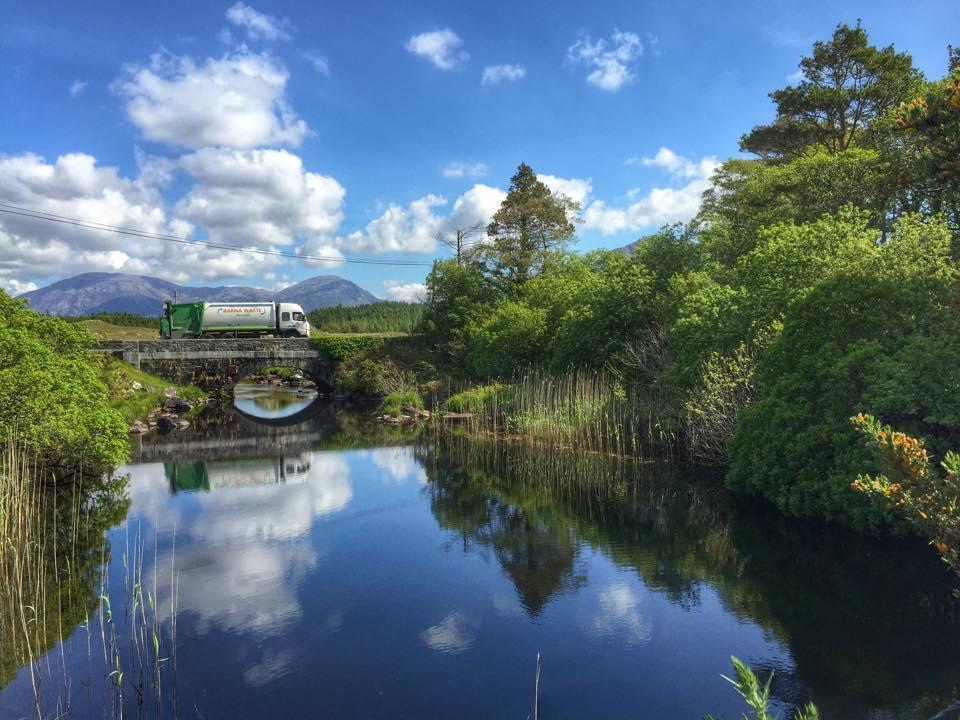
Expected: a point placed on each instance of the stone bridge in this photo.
(222, 361)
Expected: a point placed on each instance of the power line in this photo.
(133, 232)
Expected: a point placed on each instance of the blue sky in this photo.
(363, 130)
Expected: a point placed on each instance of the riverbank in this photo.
(147, 401)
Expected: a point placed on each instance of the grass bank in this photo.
(135, 393)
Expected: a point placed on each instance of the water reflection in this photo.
(871, 626)
(271, 402)
(328, 560)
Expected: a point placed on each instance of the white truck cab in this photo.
(291, 320)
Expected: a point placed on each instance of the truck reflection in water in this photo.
(206, 476)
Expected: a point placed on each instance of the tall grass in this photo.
(54, 562)
(582, 409)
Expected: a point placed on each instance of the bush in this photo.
(929, 497)
(51, 392)
(394, 403)
(513, 337)
(339, 347)
(795, 445)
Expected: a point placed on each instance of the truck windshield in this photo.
(299, 316)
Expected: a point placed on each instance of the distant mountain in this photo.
(119, 292)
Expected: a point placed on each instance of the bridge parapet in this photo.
(220, 360)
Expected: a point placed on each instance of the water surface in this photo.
(333, 569)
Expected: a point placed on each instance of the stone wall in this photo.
(221, 360)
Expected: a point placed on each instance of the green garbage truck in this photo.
(216, 319)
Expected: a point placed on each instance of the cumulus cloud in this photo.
(677, 165)
(259, 197)
(236, 101)
(658, 205)
(440, 47)
(13, 286)
(398, 229)
(414, 229)
(76, 186)
(610, 60)
(494, 74)
(77, 87)
(576, 189)
(475, 207)
(405, 292)
(258, 25)
(461, 169)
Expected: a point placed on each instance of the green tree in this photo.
(931, 121)
(531, 223)
(513, 337)
(847, 83)
(845, 345)
(51, 392)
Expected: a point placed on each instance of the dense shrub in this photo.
(51, 392)
(339, 347)
(834, 356)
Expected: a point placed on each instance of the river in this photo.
(313, 564)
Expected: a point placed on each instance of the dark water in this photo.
(332, 569)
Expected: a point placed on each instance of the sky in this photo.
(361, 131)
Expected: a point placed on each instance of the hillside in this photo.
(91, 293)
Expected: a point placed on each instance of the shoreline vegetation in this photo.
(801, 335)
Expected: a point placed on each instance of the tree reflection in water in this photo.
(56, 587)
(868, 623)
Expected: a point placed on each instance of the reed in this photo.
(582, 409)
(54, 562)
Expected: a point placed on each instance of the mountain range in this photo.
(91, 293)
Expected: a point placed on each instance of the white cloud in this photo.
(317, 62)
(476, 206)
(236, 101)
(461, 169)
(576, 189)
(258, 25)
(13, 286)
(677, 165)
(795, 77)
(261, 198)
(414, 229)
(610, 59)
(493, 74)
(77, 87)
(411, 229)
(658, 205)
(440, 47)
(404, 292)
(75, 186)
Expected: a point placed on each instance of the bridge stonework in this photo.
(221, 361)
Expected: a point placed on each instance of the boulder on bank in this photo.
(176, 404)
